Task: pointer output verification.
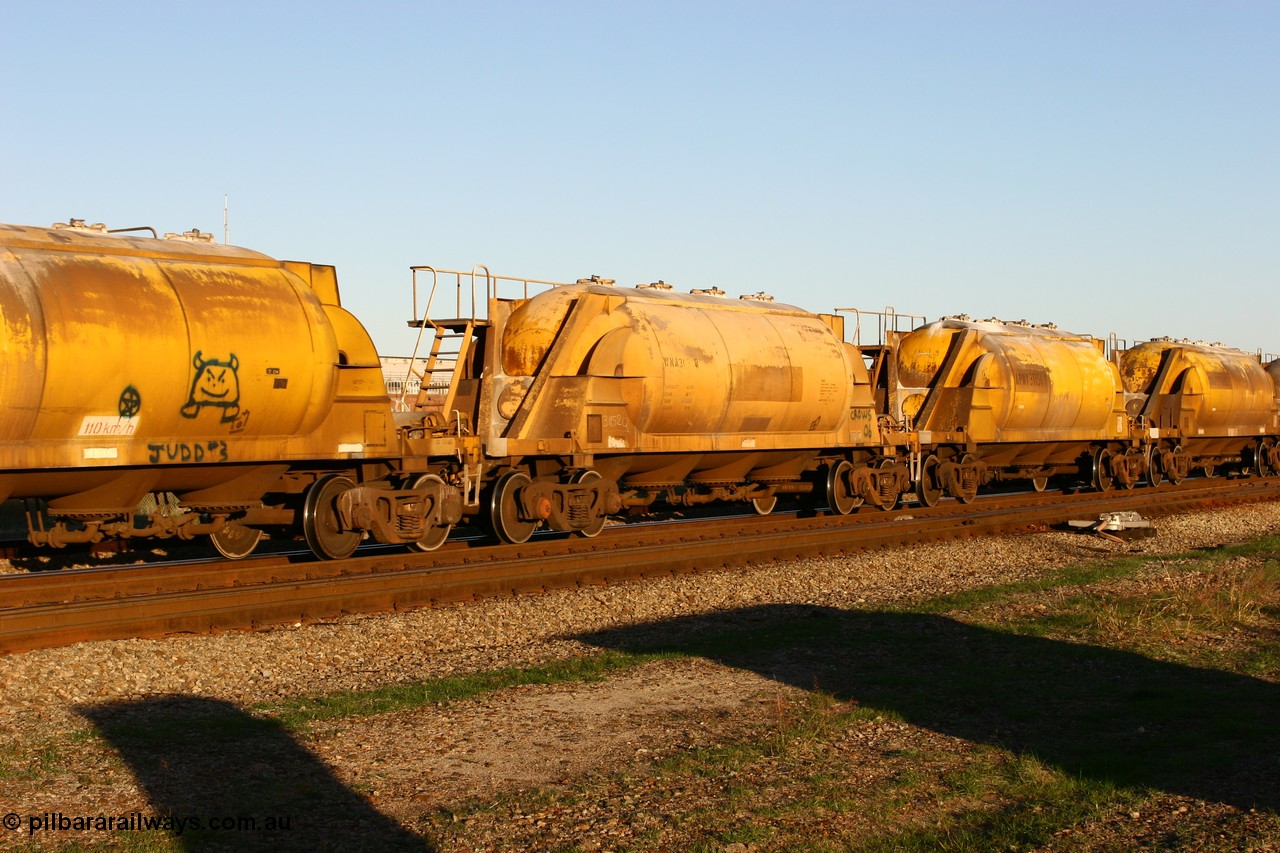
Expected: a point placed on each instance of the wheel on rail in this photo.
(1155, 470)
(967, 490)
(1103, 478)
(504, 509)
(1262, 459)
(927, 489)
(764, 505)
(1209, 471)
(438, 533)
(1176, 472)
(234, 541)
(593, 529)
(321, 523)
(840, 496)
(1040, 483)
(891, 502)
(1128, 462)
(1253, 462)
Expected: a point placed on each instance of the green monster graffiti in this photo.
(215, 385)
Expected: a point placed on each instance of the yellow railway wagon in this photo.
(178, 371)
(1005, 401)
(1205, 404)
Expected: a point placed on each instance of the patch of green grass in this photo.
(297, 713)
(1266, 548)
(746, 833)
(118, 842)
(13, 762)
(1068, 576)
(26, 761)
(1221, 612)
(816, 716)
(1035, 801)
(1264, 661)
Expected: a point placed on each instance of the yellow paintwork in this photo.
(625, 372)
(1010, 382)
(1213, 390)
(687, 365)
(168, 355)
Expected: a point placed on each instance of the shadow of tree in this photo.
(209, 760)
(1091, 711)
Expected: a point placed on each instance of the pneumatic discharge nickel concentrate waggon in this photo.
(177, 387)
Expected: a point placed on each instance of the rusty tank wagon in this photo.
(176, 387)
(588, 398)
(1202, 406)
(998, 401)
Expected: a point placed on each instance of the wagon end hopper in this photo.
(1210, 405)
(659, 387)
(136, 365)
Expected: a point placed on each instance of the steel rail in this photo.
(255, 594)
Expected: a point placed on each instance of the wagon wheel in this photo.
(840, 497)
(892, 502)
(1263, 459)
(437, 533)
(235, 541)
(967, 486)
(321, 524)
(1155, 474)
(927, 489)
(1175, 472)
(1209, 470)
(1103, 479)
(1040, 483)
(504, 509)
(764, 505)
(593, 529)
(1128, 480)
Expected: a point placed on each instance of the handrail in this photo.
(888, 320)
(424, 381)
(478, 272)
(450, 329)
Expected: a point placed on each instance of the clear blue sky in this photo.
(1108, 166)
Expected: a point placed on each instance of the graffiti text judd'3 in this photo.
(184, 451)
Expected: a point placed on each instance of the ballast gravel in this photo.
(39, 690)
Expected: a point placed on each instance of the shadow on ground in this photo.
(247, 781)
(1090, 711)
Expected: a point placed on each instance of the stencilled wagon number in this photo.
(182, 451)
(864, 418)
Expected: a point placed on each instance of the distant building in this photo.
(403, 383)
(402, 386)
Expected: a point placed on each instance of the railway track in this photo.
(47, 609)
